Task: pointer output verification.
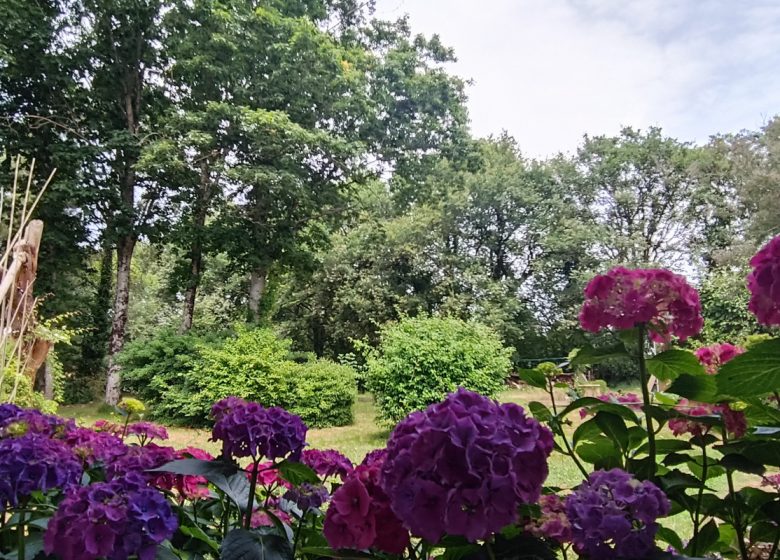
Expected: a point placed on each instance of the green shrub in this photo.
(181, 376)
(322, 393)
(251, 365)
(158, 369)
(420, 360)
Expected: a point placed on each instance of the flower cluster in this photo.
(34, 462)
(712, 357)
(613, 515)
(110, 520)
(553, 523)
(631, 400)
(108, 427)
(624, 298)
(138, 460)
(764, 284)
(307, 496)
(734, 421)
(463, 466)
(95, 447)
(327, 463)
(192, 487)
(261, 517)
(147, 431)
(16, 421)
(247, 429)
(360, 515)
(267, 475)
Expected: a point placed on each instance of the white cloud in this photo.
(549, 71)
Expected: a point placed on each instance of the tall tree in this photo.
(644, 190)
(120, 40)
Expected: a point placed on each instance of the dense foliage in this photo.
(420, 360)
(180, 375)
(299, 163)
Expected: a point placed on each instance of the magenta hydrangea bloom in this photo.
(110, 520)
(34, 462)
(631, 400)
(247, 429)
(360, 517)
(613, 515)
(624, 298)
(192, 487)
(463, 466)
(734, 421)
(327, 462)
(714, 356)
(553, 523)
(764, 284)
(147, 431)
(95, 448)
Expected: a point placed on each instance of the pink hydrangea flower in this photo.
(773, 481)
(712, 357)
(192, 487)
(260, 517)
(733, 420)
(764, 284)
(267, 475)
(624, 298)
(553, 523)
(631, 400)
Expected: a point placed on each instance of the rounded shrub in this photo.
(322, 393)
(181, 376)
(158, 369)
(420, 360)
(251, 365)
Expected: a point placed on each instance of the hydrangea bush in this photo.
(463, 479)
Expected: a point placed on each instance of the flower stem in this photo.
(644, 380)
(252, 489)
(20, 535)
(738, 527)
(774, 545)
(550, 390)
(699, 498)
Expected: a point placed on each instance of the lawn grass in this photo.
(365, 435)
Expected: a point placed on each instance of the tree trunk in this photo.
(116, 341)
(48, 381)
(257, 282)
(196, 250)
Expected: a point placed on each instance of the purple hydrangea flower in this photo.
(463, 466)
(15, 421)
(34, 462)
(247, 429)
(134, 465)
(95, 447)
(613, 515)
(327, 462)
(147, 431)
(307, 496)
(110, 520)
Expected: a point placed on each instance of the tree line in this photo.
(300, 163)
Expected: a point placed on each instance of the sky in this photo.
(550, 71)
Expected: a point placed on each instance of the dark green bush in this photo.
(158, 369)
(420, 360)
(322, 393)
(181, 376)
